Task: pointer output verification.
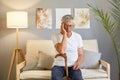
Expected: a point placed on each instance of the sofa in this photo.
(40, 56)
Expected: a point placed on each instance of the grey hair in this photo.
(67, 18)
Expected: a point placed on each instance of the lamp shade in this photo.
(17, 19)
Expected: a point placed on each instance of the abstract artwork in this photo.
(43, 18)
(82, 18)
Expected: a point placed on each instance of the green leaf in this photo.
(110, 26)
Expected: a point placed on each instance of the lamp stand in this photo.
(15, 56)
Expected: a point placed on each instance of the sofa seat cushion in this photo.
(93, 73)
(42, 74)
(46, 74)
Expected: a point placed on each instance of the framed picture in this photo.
(82, 18)
(60, 12)
(44, 18)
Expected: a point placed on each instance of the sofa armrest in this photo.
(21, 65)
(18, 69)
(106, 65)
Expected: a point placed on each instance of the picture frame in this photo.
(82, 18)
(60, 12)
(43, 18)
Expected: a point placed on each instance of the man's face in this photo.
(68, 25)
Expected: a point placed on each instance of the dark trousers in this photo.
(58, 72)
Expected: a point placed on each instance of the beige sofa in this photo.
(39, 58)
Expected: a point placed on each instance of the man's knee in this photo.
(57, 73)
(77, 75)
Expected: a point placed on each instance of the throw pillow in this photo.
(31, 62)
(45, 61)
(91, 59)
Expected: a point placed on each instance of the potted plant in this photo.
(111, 26)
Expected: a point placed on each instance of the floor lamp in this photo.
(16, 19)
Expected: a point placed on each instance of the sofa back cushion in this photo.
(90, 45)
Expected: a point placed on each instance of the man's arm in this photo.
(61, 47)
(80, 59)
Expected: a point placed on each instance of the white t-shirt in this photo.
(73, 44)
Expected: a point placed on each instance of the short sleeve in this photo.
(80, 42)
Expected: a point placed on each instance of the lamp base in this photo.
(15, 57)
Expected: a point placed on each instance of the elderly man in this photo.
(70, 43)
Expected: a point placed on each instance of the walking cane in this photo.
(66, 66)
